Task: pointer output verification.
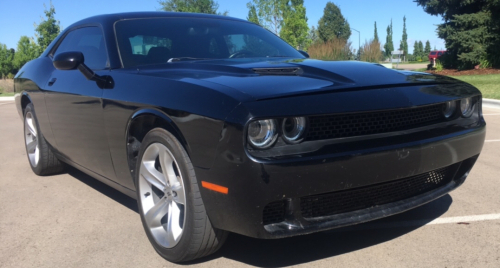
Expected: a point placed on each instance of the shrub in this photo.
(335, 49)
(439, 66)
(484, 64)
(371, 51)
(1, 90)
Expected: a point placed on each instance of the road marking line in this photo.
(491, 114)
(491, 140)
(485, 217)
(446, 220)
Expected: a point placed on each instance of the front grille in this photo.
(369, 196)
(366, 123)
(274, 212)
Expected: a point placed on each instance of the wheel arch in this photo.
(25, 100)
(139, 124)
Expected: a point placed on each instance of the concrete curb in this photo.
(6, 98)
(490, 103)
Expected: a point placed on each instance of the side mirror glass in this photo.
(304, 53)
(68, 60)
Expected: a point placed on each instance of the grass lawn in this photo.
(488, 84)
(9, 94)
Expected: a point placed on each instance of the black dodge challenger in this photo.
(216, 125)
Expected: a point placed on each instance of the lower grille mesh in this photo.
(366, 197)
(274, 212)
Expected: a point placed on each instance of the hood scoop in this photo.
(287, 71)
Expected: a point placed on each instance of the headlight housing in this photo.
(466, 107)
(262, 133)
(293, 129)
(449, 109)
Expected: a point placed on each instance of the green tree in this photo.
(427, 48)
(252, 14)
(470, 30)
(375, 35)
(404, 40)
(389, 45)
(295, 28)
(27, 50)
(416, 53)
(313, 35)
(421, 49)
(270, 13)
(48, 29)
(6, 57)
(333, 24)
(192, 6)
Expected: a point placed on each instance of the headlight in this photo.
(466, 107)
(449, 109)
(293, 129)
(262, 133)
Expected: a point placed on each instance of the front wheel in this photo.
(41, 158)
(170, 204)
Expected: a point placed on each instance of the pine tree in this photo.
(389, 46)
(375, 35)
(404, 41)
(470, 30)
(427, 49)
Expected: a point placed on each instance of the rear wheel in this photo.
(41, 158)
(170, 204)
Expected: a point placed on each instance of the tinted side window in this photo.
(89, 41)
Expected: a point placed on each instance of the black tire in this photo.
(47, 163)
(199, 238)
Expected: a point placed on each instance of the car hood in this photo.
(260, 79)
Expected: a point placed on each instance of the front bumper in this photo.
(253, 184)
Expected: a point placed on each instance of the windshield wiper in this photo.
(186, 59)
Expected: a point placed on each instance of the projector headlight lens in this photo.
(293, 129)
(466, 107)
(449, 109)
(262, 133)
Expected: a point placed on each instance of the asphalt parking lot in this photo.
(72, 220)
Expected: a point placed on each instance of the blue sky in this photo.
(18, 16)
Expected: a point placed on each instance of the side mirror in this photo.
(72, 60)
(68, 60)
(304, 53)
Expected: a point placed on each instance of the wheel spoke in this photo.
(31, 147)
(31, 127)
(158, 211)
(179, 196)
(174, 230)
(167, 168)
(153, 176)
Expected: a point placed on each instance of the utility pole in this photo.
(359, 40)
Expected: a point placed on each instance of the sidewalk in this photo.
(6, 98)
(490, 103)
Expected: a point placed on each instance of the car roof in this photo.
(111, 18)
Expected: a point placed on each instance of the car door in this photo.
(74, 104)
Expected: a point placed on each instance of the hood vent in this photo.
(279, 71)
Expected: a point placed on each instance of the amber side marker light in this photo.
(214, 187)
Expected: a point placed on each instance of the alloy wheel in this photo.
(162, 194)
(31, 139)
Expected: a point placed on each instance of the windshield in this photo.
(161, 40)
